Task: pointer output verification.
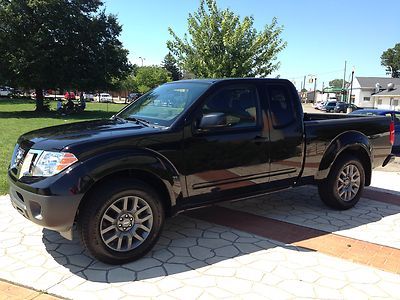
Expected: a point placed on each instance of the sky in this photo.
(320, 34)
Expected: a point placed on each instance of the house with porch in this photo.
(388, 98)
(364, 89)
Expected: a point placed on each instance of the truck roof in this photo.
(215, 80)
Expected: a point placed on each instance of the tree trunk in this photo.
(39, 100)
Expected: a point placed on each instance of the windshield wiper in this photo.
(138, 121)
(117, 118)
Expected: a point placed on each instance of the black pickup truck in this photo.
(184, 145)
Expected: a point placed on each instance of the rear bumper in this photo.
(52, 212)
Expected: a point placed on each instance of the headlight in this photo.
(46, 163)
(52, 163)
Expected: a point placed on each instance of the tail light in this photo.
(391, 128)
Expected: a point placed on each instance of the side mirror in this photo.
(213, 120)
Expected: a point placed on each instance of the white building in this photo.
(388, 98)
(364, 89)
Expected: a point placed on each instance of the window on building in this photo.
(379, 101)
(367, 98)
(395, 102)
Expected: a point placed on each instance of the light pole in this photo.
(142, 59)
(344, 80)
(313, 78)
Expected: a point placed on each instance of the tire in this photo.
(121, 221)
(341, 190)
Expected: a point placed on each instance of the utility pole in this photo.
(344, 80)
(315, 89)
(304, 82)
(351, 85)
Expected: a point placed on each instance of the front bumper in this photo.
(54, 212)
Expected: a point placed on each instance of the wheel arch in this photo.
(148, 167)
(352, 142)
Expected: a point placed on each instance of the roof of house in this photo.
(393, 92)
(370, 82)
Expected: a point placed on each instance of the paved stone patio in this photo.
(200, 260)
(367, 221)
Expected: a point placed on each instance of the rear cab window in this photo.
(281, 104)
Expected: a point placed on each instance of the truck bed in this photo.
(322, 130)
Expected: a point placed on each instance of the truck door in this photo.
(286, 133)
(233, 157)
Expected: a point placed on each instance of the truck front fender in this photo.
(107, 164)
(350, 141)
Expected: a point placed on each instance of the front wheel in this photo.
(345, 183)
(121, 221)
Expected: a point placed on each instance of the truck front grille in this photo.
(17, 159)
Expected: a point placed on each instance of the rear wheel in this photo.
(121, 221)
(345, 183)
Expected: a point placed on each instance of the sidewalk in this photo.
(286, 245)
(9, 291)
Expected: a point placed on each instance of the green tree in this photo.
(337, 83)
(151, 76)
(169, 63)
(221, 45)
(60, 44)
(391, 60)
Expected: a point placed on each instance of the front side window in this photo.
(239, 104)
(164, 104)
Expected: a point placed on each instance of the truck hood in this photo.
(98, 131)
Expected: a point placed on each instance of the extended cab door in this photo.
(286, 132)
(233, 157)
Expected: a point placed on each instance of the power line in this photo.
(316, 74)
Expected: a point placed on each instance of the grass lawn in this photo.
(18, 117)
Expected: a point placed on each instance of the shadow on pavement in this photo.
(188, 243)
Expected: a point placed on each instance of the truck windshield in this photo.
(165, 103)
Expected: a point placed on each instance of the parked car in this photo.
(395, 115)
(319, 104)
(33, 95)
(104, 97)
(329, 106)
(5, 91)
(118, 179)
(89, 96)
(341, 107)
